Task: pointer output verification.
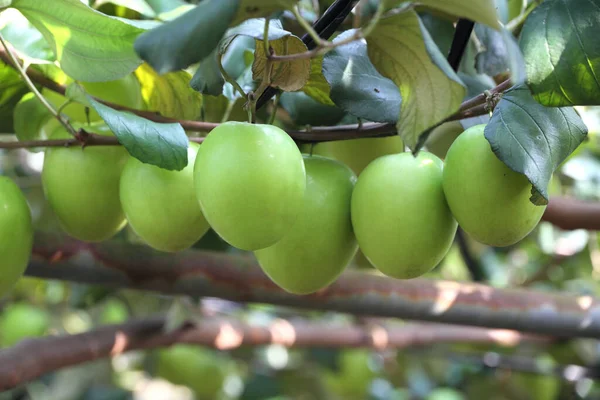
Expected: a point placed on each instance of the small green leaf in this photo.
(563, 59)
(89, 45)
(169, 94)
(260, 8)
(317, 86)
(533, 139)
(401, 49)
(187, 39)
(208, 79)
(356, 85)
(24, 37)
(30, 116)
(163, 145)
(483, 11)
(11, 83)
(286, 75)
(500, 54)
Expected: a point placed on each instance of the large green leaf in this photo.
(163, 145)
(483, 11)
(356, 85)
(187, 39)
(169, 94)
(401, 49)
(500, 54)
(563, 58)
(89, 45)
(533, 139)
(208, 79)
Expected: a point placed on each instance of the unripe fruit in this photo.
(16, 234)
(489, 200)
(125, 91)
(400, 217)
(442, 137)
(250, 183)
(82, 187)
(20, 321)
(161, 205)
(321, 242)
(358, 153)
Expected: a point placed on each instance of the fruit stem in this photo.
(228, 77)
(21, 69)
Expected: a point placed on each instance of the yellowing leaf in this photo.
(317, 86)
(482, 11)
(286, 75)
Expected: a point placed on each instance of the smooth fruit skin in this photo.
(125, 91)
(489, 200)
(16, 234)
(82, 187)
(20, 321)
(321, 242)
(161, 205)
(442, 137)
(193, 366)
(358, 153)
(400, 217)
(250, 182)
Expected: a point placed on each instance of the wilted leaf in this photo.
(533, 139)
(563, 59)
(169, 94)
(89, 45)
(286, 75)
(402, 50)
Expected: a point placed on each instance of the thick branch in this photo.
(567, 213)
(33, 358)
(238, 278)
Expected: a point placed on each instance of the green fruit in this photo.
(114, 312)
(125, 92)
(354, 377)
(198, 368)
(358, 153)
(82, 187)
(444, 394)
(442, 137)
(400, 217)
(20, 321)
(304, 110)
(250, 182)
(161, 205)
(489, 200)
(321, 243)
(16, 234)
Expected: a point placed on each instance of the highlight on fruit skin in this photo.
(400, 216)
(250, 182)
(16, 234)
(488, 199)
(82, 186)
(161, 205)
(321, 243)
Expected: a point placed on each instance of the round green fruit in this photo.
(358, 153)
(125, 92)
(114, 312)
(354, 377)
(82, 187)
(489, 200)
(16, 234)
(321, 243)
(400, 217)
(161, 205)
(442, 137)
(20, 321)
(250, 182)
(198, 368)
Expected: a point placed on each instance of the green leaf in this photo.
(317, 86)
(533, 139)
(140, 6)
(356, 85)
(163, 145)
(169, 94)
(500, 54)
(28, 42)
(11, 83)
(304, 110)
(253, 28)
(563, 59)
(89, 45)
(208, 79)
(260, 8)
(235, 59)
(402, 50)
(187, 39)
(483, 11)
(165, 6)
(286, 75)
(441, 30)
(30, 116)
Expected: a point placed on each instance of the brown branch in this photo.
(238, 278)
(85, 140)
(568, 214)
(33, 358)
